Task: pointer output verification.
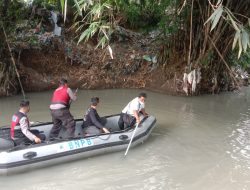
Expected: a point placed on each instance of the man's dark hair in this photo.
(63, 81)
(142, 94)
(24, 103)
(94, 101)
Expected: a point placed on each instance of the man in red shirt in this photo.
(60, 113)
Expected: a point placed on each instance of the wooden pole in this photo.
(13, 61)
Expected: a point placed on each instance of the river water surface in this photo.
(199, 143)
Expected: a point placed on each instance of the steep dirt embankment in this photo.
(87, 68)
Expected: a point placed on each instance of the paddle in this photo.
(75, 95)
(76, 91)
(137, 124)
(36, 122)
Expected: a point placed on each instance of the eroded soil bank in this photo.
(136, 62)
(88, 68)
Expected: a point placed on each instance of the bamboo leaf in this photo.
(83, 5)
(62, 5)
(244, 40)
(90, 2)
(93, 28)
(218, 2)
(217, 17)
(212, 17)
(84, 35)
(105, 27)
(78, 8)
(147, 58)
(236, 38)
(240, 47)
(233, 22)
(107, 5)
(103, 31)
(101, 42)
(110, 52)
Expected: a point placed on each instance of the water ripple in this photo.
(240, 149)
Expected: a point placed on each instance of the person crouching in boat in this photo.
(60, 113)
(20, 118)
(93, 123)
(130, 114)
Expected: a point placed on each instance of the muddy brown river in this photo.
(199, 143)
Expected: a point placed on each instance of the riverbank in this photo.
(85, 67)
(138, 60)
(134, 65)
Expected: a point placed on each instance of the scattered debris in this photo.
(185, 83)
(154, 34)
(239, 72)
(150, 58)
(191, 80)
(57, 30)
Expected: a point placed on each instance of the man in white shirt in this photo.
(130, 114)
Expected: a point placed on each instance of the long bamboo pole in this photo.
(190, 35)
(223, 60)
(14, 63)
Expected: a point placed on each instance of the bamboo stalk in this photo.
(190, 34)
(223, 60)
(13, 61)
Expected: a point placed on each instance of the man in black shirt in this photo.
(93, 122)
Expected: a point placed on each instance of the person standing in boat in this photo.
(93, 122)
(130, 114)
(60, 113)
(20, 119)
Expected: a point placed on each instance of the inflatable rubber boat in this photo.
(25, 157)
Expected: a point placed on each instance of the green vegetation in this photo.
(202, 32)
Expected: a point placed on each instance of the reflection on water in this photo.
(200, 143)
